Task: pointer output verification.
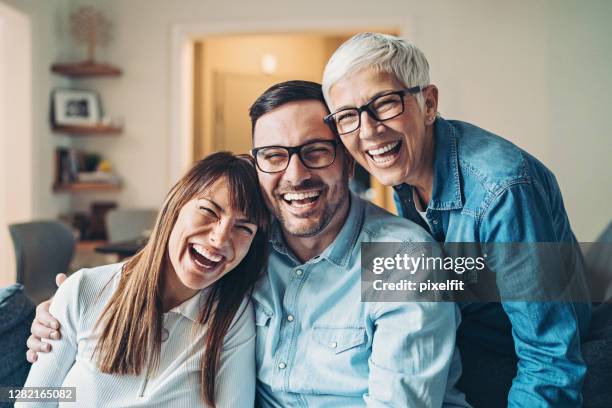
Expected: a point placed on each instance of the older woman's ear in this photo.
(430, 94)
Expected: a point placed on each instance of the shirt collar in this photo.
(191, 307)
(339, 251)
(446, 190)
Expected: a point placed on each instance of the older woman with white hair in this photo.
(464, 184)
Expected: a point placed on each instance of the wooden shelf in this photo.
(78, 187)
(89, 245)
(88, 130)
(85, 69)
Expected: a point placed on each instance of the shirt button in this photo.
(298, 272)
(435, 221)
(333, 344)
(290, 318)
(165, 334)
(282, 365)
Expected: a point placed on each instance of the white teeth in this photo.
(384, 159)
(301, 196)
(383, 149)
(207, 254)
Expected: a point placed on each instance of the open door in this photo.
(233, 96)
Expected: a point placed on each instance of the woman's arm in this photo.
(235, 381)
(51, 369)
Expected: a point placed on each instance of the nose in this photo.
(220, 236)
(368, 128)
(296, 173)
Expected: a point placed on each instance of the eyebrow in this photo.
(222, 211)
(376, 95)
(316, 140)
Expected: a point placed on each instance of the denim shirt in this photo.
(319, 345)
(485, 189)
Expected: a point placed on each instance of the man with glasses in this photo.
(318, 344)
(466, 185)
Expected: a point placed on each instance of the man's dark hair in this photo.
(283, 93)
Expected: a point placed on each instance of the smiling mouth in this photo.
(301, 199)
(204, 258)
(386, 153)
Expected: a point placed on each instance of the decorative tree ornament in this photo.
(90, 26)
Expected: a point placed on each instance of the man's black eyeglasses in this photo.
(316, 154)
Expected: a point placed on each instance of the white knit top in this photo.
(78, 305)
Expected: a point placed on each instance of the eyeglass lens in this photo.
(382, 108)
(313, 155)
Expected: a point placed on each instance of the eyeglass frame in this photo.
(329, 119)
(291, 150)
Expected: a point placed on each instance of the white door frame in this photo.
(183, 36)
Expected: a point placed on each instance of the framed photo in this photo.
(75, 107)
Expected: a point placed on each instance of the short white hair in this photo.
(382, 52)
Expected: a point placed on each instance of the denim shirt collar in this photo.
(446, 191)
(339, 251)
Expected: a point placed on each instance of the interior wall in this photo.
(27, 33)
(516, 68)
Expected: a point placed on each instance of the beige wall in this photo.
(535, 72)
(27, 46)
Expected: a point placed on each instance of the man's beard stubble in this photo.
(333, 196)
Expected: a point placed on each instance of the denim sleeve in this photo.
(412, 350)
(546, 334)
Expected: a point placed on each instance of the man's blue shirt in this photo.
(319, 345)
(485, 189)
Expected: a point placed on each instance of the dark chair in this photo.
(42, 250)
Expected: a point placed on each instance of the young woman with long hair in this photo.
(173, 325)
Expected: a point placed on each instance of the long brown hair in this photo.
(131, 322)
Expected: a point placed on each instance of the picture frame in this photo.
(75, 107)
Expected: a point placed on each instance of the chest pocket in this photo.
(263, 338)
(338, 340)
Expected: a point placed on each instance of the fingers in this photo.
(40, 331)
(59, 279)
(44, 318)
(31, 356)
(35, 346)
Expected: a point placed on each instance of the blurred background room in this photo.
(103, 104)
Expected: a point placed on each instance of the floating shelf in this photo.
(88, 130)
(89, 245)
(76, 187)
(85, 69)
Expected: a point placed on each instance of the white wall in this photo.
(26, 146)
(15, 131)
(535, 72)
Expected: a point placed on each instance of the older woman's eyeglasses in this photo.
(383, 107)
